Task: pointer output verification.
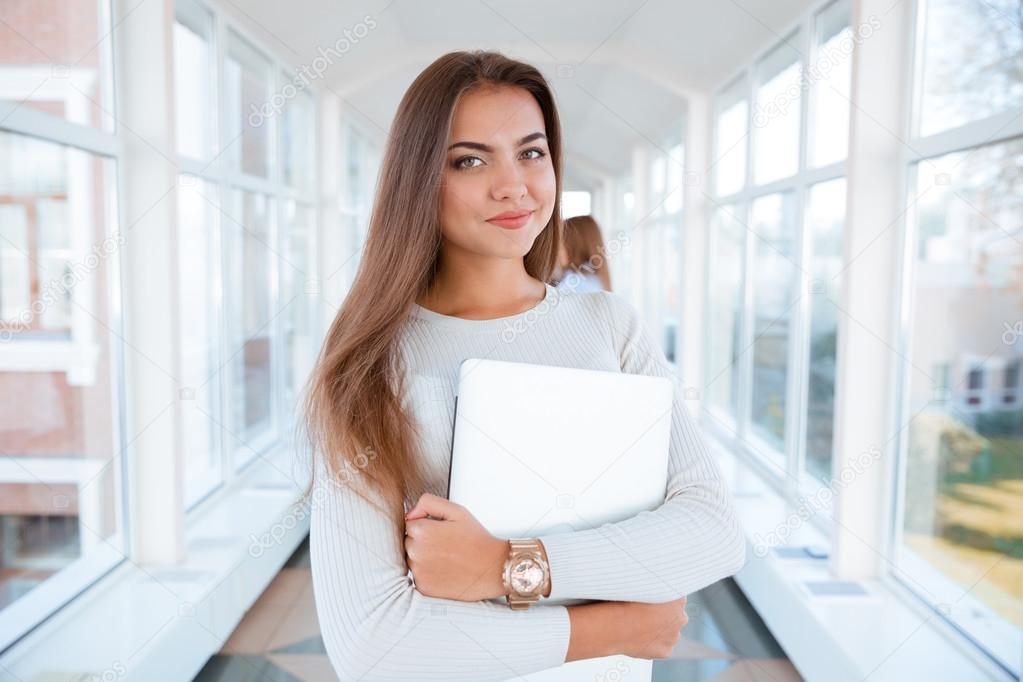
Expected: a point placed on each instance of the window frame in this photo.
(793, 481)
(65, 354)
(236, 458)
(917, 149)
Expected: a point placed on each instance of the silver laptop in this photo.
(544, 449)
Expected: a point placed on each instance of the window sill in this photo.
(165, 622)
(882, 635)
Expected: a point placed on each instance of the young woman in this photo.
(584, 265)
(461, 245)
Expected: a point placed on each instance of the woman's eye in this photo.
(461, 163)
(539, 153)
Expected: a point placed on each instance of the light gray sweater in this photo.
(377, 626)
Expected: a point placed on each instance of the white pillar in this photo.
(148, 174)
(866, 366)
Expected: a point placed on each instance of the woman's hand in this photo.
(451, 555)
(655, 629)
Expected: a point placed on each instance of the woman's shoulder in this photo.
(607, 307)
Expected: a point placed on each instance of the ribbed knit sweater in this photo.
(374, 623)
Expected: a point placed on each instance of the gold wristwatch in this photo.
(526, 574)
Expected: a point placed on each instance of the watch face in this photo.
(526, 576)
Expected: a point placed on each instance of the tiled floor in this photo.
(279, 640)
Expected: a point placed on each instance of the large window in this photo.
(963, 500)
(62, 521)
(959, 528)
(240, 355)
(249, 274)
(775, 249)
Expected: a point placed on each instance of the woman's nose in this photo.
(508, 183)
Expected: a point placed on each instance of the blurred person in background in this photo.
(582, 261)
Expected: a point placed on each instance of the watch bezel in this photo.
(516, 556)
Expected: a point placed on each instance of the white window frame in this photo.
(78, 358)
(1007, 125)
(785, 469)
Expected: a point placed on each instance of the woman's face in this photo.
(499, 186)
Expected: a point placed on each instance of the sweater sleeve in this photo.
(692, 540)
(376, 626)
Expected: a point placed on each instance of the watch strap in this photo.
(520, 548)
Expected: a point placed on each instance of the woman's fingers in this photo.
(432, 506)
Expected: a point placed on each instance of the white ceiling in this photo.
(626, 67)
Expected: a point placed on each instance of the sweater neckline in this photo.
(492, 324)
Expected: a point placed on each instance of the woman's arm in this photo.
(692, 540)
(377, 626)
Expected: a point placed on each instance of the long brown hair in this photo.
(585, 247)
(352, 406)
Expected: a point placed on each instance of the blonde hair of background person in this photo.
(583, 248)
(477, 135)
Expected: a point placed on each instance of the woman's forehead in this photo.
(496, 115)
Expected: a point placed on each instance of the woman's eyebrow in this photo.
(487, 148)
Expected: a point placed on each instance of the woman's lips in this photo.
(511, 220)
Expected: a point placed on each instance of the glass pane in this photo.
(963, 509)
(199, 293)
(972, 62)
(249, 319)
(774, 279)
(776, 114)
(55, 59)
(825, 218)
(298, 271)
(730, 140)
(832, 80)
(298, 134)
(60, 507)
(249, 115)
(43, 247)
(193, 84)
(728, 250)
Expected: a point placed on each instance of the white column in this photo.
(148, 180)
(866, 366)
(695, 229)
